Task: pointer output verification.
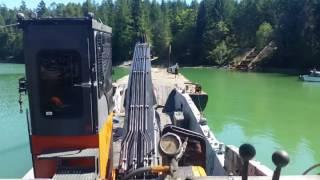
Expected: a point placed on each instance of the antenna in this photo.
(169, 55)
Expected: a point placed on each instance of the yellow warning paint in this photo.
(105, 140)
(198, 171)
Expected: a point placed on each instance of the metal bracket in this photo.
(86, 84)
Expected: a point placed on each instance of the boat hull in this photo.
(308, 78)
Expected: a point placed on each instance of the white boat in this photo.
(314, 76)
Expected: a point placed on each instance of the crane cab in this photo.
(68, 72)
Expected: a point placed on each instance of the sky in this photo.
(33, 3)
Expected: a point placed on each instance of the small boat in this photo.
(314, 76)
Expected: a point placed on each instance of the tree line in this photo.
(206, 32)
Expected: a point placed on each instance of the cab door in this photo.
(58, 69)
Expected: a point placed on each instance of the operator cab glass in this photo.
(59, 75)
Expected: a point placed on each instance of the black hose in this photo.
(137, 171)
(310, 169)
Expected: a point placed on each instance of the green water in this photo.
(15, 159)
(271, 111)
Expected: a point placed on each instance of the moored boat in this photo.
(314, 76)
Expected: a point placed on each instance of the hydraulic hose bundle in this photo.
(139, 145)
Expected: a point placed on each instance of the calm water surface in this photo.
(15, 159)
(271, 111)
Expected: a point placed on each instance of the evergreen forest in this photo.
(206, 32)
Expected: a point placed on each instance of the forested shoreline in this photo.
(206, 32)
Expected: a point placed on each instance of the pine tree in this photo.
(105, 12)
(201, 24)
(161, 30)
(72, 10)
(122, 32)
(59, 10)
(88, 6)
(138, 19)
(42, 9)
(23, 7)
